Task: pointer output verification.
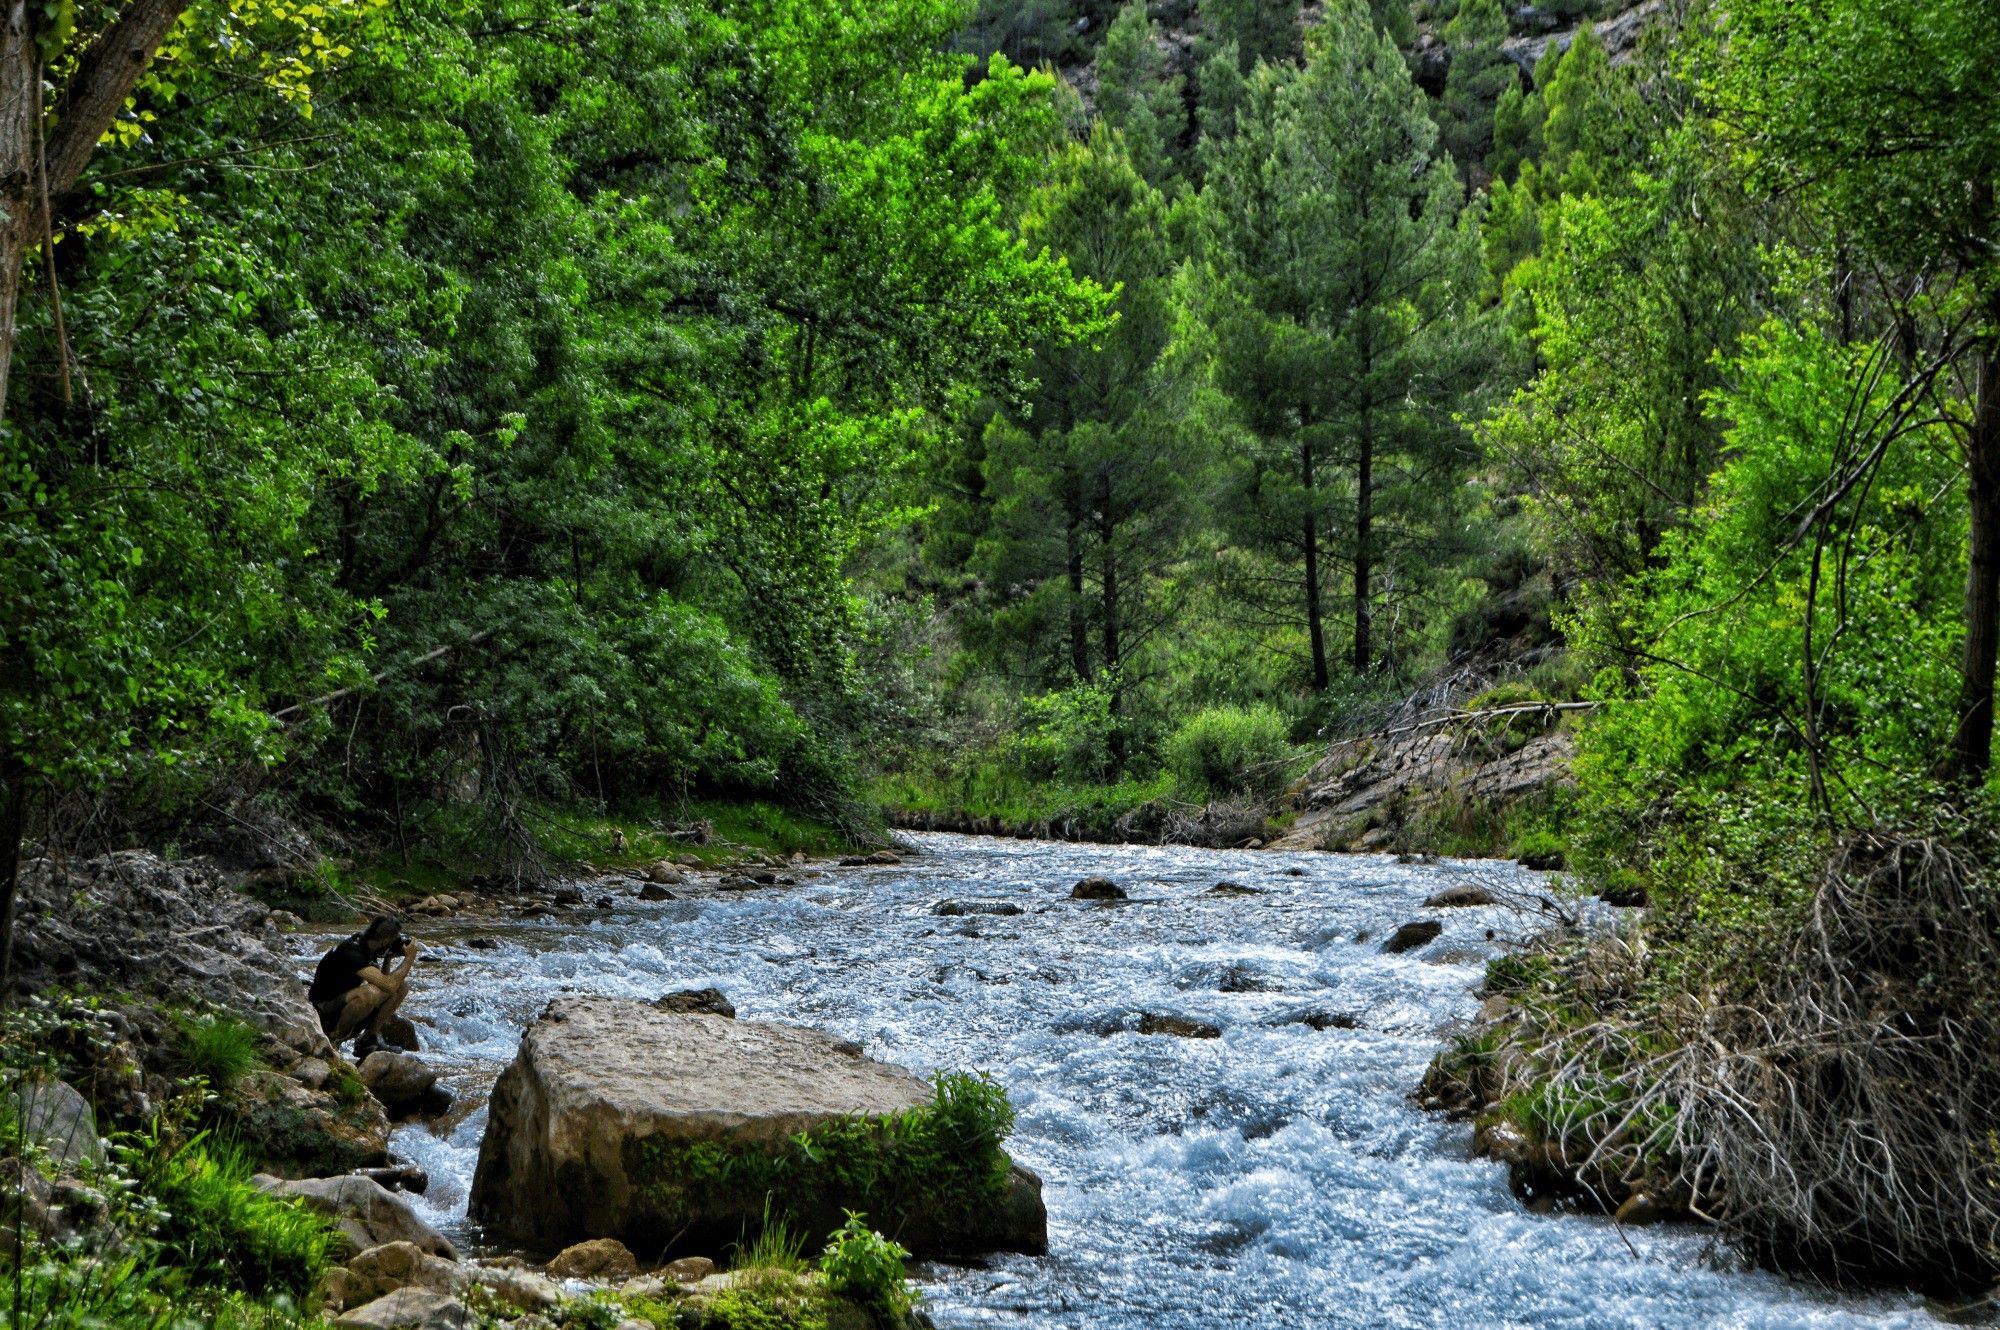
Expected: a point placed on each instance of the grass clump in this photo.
(218, 1229)
(220, 1049)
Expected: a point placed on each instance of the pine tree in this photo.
(1337, 289)
(1093, 487)
(1139, 98)
(1478, 79)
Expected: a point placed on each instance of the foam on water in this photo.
(1278, 1176)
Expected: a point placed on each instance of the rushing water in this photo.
(1278, 1176)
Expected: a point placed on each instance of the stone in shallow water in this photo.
(707, 1001)
(589, 1127)
(1097, 889)
(1181, 1027)
(1459, 897)
(1413, 935)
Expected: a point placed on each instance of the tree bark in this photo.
(86, 103)
(1972, 742)
(1079, 641)
(1315, 620)
(20, 107)
(1364, 554)
(13, 821)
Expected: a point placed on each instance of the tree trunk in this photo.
(1108, 530)
(20, 106)
(13, 819)
(88, 101)
(1364, 554)
(1972, 743)
(1079, 641)
(1315, 621)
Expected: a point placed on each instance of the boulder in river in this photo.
(1181, 1027)
(976, 907)
(405, 1084)
(1233, 889)
(1097, 889)
(612, 1118)
(653, 891)
(1412, 935)
(1459, 897)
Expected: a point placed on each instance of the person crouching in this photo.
(353, 993)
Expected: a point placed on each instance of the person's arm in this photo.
(393, 981)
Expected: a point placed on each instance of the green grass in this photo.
(221, 1231)
(220, 1049)
(993, 789)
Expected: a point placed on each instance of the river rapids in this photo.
(1277, 1176)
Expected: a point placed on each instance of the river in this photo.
(1277, 1176)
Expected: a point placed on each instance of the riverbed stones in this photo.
(601, 1260)
(1459, 897)
(689, 1269)
(368, 1213)
(589, 1131)
(1232, 889)
(951, 908)
(653, 891)
(397, 1079)
(1417, 933)
(1097, 889)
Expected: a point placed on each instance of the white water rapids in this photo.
(1278, 1176)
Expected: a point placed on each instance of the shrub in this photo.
(1071, 734)
(1225, 750)
(861, 1264)
(220, 1049)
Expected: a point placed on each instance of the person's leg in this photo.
(380, 1016)
(359, 1005)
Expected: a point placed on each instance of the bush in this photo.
(1071, 734)
(861, 1264)
(220, 1049)
(1227, 750)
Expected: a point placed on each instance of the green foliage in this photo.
(861, 1264)
(218, 1048)
(935, 1160)
(218, 1229)
(1071, 734)
(1229, 750)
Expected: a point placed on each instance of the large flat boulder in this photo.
(618, 1119)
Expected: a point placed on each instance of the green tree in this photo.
(1885, 119)
(1139, 98)
(1094, 488)
(1476, 84)
(1337, 289)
